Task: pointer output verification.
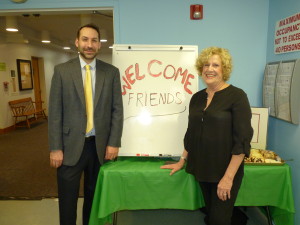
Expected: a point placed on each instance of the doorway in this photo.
(38, 81)
(61, 26)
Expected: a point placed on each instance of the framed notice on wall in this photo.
(24, 74)
(259, 123)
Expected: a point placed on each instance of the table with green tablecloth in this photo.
(134, 183)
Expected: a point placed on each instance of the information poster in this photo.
(283, 87)
(269, 87)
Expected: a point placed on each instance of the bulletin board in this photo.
(281, 90)
(157, 83)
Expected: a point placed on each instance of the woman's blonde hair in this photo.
(225, 59)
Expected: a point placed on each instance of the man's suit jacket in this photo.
(67, 112)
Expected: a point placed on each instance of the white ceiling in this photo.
(62, 27)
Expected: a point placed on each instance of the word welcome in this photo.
(132, 74)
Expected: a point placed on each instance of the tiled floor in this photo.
(45, 212)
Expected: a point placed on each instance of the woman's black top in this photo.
(216, 133)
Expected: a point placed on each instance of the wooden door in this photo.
(36, 80)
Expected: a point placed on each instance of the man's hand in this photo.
(56, 158)
(111, 152)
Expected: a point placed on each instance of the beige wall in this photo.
(9, 53)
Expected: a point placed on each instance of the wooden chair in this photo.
(25, 110)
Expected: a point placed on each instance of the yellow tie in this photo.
(88, 92)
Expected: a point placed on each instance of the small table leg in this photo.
(269, 215)
(115, 218)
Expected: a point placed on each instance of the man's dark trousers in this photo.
(68, 179)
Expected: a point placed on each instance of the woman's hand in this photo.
(225, 184)
(224, 188)
(174, 167)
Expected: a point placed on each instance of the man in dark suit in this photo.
(75, 148)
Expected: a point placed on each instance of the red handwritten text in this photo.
(154, 99)
(156, 69)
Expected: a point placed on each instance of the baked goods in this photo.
(256, 156)
(272, 161)
(262, 156)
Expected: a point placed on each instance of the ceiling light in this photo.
(66, 45)
(19, 1)
(103, 35)
(11, 24)
(45, 37)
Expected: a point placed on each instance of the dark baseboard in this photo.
(20, 124)
(7, 129)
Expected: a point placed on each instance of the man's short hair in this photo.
(89, 25)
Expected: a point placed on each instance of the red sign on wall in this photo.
(287, 35)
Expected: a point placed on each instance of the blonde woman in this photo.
(218, 136)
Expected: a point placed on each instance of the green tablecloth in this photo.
(139, 183)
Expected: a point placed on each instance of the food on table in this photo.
(262, 156)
